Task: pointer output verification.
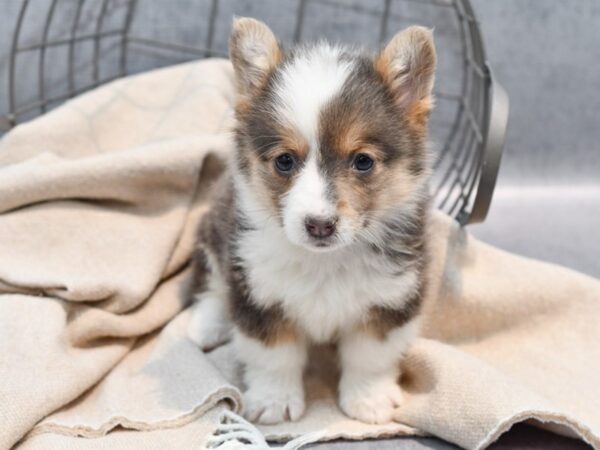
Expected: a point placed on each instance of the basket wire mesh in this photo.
(61, 48)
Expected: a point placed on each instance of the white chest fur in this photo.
(322, 293)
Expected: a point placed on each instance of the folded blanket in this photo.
(99, 201)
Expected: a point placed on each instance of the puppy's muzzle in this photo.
(320, 227)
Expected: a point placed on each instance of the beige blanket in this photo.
(99, 200)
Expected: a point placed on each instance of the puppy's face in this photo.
(330, 143)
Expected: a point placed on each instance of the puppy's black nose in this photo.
(320, 227)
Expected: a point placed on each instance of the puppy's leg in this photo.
(369, 389)
(209, 325)
(273, 377)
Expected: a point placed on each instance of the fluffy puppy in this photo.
(316, 233)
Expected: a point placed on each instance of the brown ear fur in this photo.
(407, 66)
(254, 52)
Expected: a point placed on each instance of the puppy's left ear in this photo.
(407, 66)
(254, 52)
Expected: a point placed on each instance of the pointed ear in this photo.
(407, 66)
(254, 52)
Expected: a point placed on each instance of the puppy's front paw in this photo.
(273, 405)
(370, 401)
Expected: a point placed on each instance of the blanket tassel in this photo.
(234, 432)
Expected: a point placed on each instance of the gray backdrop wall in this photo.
(547, 55)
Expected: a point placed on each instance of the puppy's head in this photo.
(331, 142)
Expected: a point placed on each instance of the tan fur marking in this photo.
(374, 329)
(242, 106)
(382, 321)
(254, 53)
(268, 326)
(350, 138)
(284, 333)
(395, 185)
(383, 65)
(343, 205)
(350, 134)
(389, 187)
(418, 114)
(355, 197)
(407, 66)
(293, 142)
(268, 186)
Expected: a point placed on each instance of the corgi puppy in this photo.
(317, 231)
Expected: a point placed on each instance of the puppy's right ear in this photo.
(254, 52)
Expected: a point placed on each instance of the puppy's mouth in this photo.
(322, 244)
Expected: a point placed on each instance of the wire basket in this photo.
(61, 48)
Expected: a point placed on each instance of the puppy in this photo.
(317, 232)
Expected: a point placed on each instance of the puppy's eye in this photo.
(285, 163)
(363, 162)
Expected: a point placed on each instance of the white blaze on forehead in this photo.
(306, 83)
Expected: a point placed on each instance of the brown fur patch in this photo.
(268, 325)
(383, 320)
(350, 137)
(357, 198)
(383, 66)
(397, 184)
(292, 142)
(419, 113)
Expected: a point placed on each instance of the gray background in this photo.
(545, 53)
(547, 56)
